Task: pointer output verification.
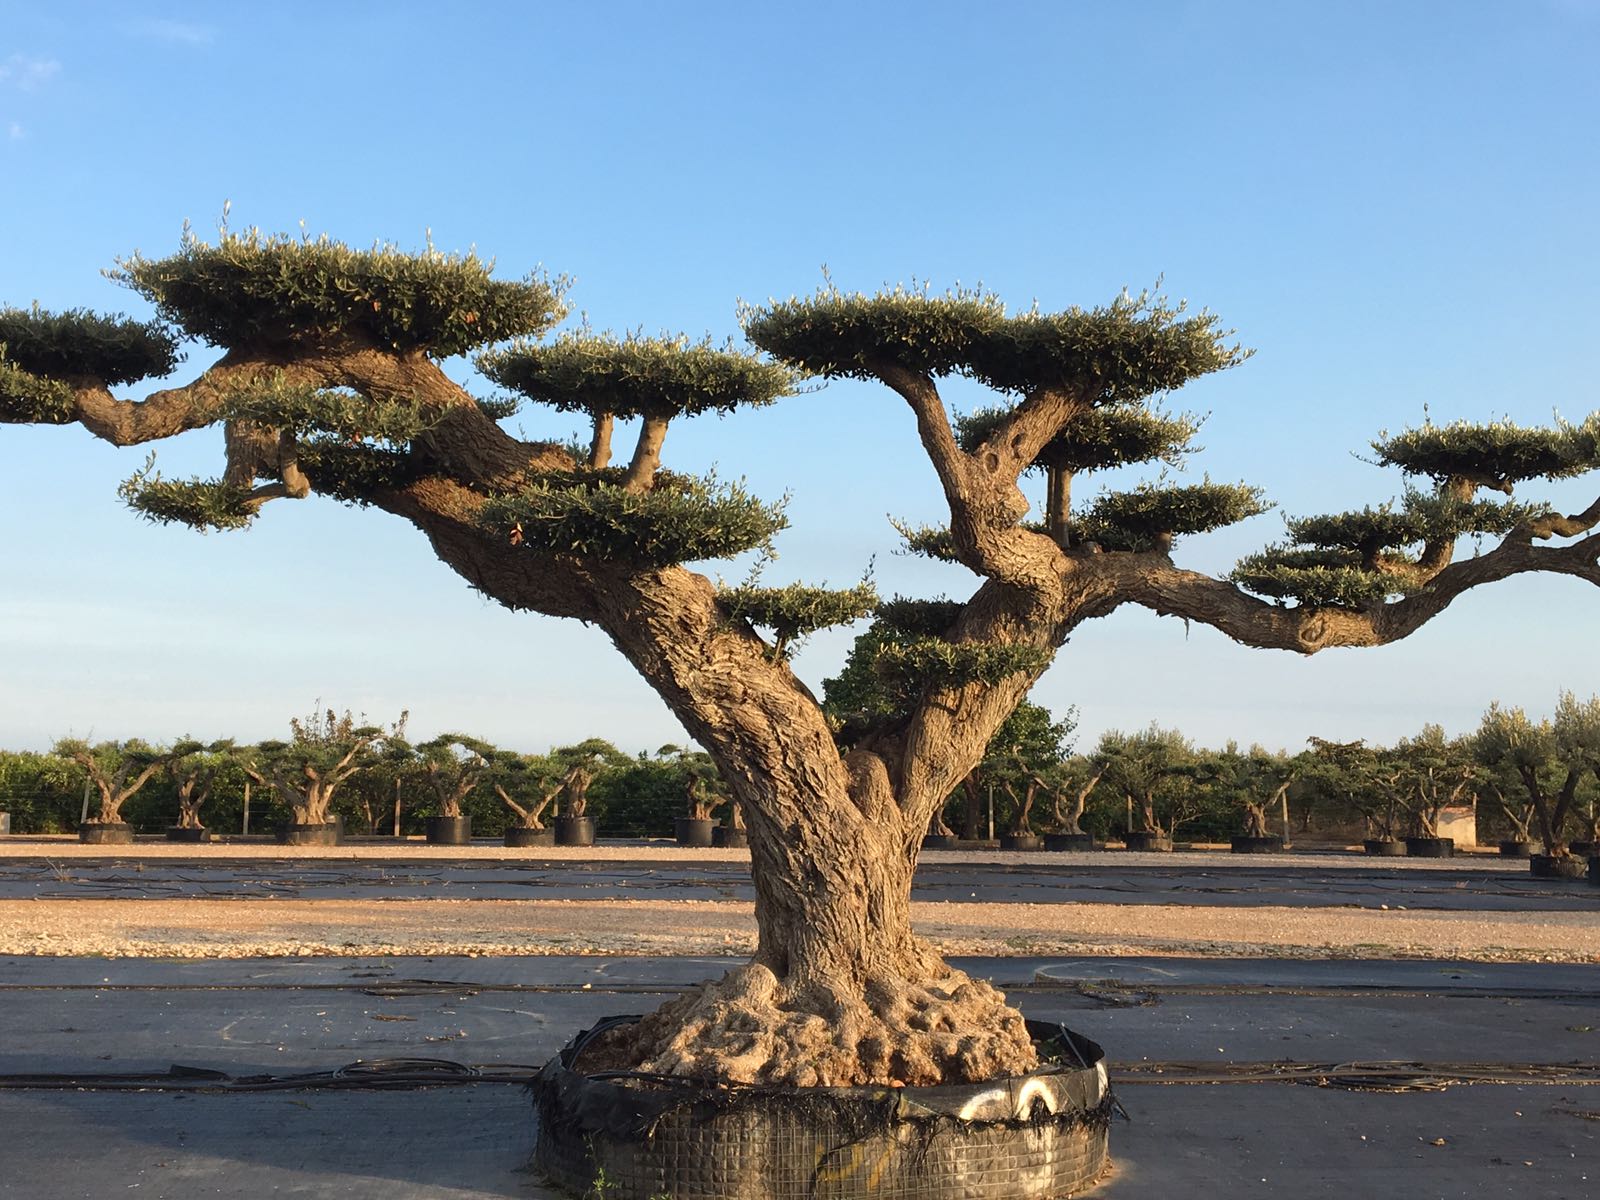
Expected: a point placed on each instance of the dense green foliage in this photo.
(682, 519)
(250, 289)
(1102, 438)
(635, 376)
(1352, 559)
(795, 610)
(83, 345)
(305, 411)
(1150, 515)
(201, 504)
(1495, 454)
(32, 399)
(1125, 351)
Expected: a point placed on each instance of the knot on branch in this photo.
(1313, 633)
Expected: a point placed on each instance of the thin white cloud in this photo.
(181, 33)
(25, 73)
(15, 131)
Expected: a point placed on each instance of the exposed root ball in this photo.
(747, 1028)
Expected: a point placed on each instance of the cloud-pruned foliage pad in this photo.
(251, 289)
(1495, 454)
(1102, 438)
(682, 519)
(1127, 350)
(78, 344)
(1144, 517)
(796, 610)
(634, 375)
(202, 504)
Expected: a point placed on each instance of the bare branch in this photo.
(600, 443)
(646, 455)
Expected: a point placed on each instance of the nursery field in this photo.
(1254, 1078)
(236, 1021)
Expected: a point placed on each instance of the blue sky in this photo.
(1394, 203)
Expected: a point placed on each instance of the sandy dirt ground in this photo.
(252, 928)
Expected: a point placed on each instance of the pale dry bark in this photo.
(840, 989)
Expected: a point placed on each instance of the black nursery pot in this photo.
(310, 835)
(1510, 848)
(694, 831)
(180, 833)
(1021, 841)
(449, 831)
(1430, 847)
(941, 841)
(1146, 841)
(726, 837)
(1027, 1137)
(1069, 841)
(1543, 866)
(1270, 844)
(1384, 847)
(106, 833)
(574, 831)
(519, 837)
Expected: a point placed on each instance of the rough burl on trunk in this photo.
(330, 381)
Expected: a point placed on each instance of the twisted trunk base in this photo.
(749, 1028)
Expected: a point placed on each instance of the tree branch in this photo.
(600, 443)
(1154, 583)
(646, 454)
(981, 490)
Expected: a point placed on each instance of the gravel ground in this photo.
(255, 928)
(65, 848)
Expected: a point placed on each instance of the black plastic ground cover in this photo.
(636, 1136)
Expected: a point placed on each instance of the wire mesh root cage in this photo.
(633, 1136)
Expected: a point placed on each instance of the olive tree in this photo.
(324, 750)
(116, 769)
(193, 767)
(331, 381)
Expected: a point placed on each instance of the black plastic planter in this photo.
(1021, 841)
(574, 831)
(1271, 844)
(1148, 842)
(1594, 869)
(449, 831)
(1430, 847)
(310, 835)
(1081, 842)
(106, 833)
(1384, 847)
(1515, 849)
(519, 837)
(1031, 1136)
(941, 841)
(725, 837)
(693, 831)
(1543, 866)
(183, 833)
